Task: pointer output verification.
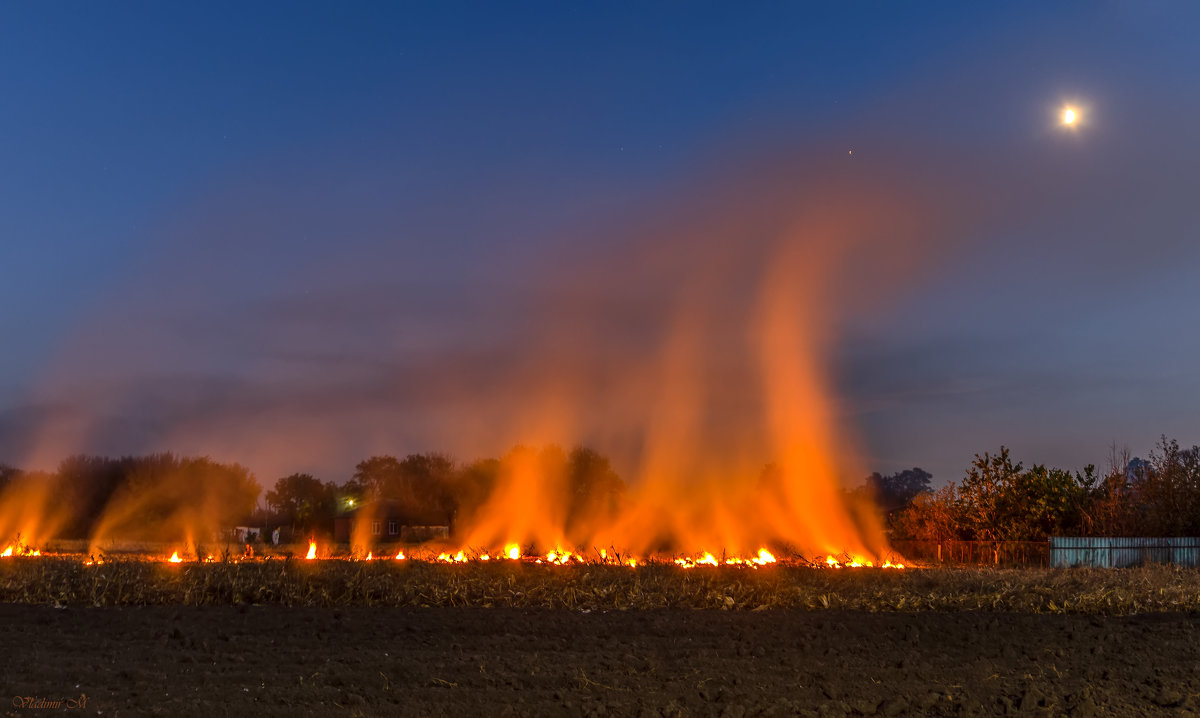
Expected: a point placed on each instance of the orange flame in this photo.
(560, 557)
(312, 551)
(19, 549)
(175, 558)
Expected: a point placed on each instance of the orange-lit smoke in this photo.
(31, 512)
(171, 499)
(692, 346)
(741, 441)
(527, 506)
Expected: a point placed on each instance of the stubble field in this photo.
(397, 638)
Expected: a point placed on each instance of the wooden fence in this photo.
(975, 553)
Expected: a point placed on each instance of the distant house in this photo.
(245, 534)
(391, 520)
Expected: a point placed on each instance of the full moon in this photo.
(1069, 117)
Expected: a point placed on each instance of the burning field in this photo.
(701, 344)
(591, 586)
(125, 628)
(601, 582)
(421, 631)
(707, 378)
(707, 375)
(734, 574)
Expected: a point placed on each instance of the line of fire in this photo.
(533, 505)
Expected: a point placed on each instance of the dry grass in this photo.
(598, 587)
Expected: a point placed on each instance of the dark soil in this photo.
(279, 661)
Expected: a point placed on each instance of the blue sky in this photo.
(293, 235)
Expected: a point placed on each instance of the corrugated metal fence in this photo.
(1100, 552)
(1121, 552)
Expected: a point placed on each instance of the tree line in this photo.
(433, 488)
(139, 496)
(1000, 499)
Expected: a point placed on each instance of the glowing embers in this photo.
(762, 558)
(200, 558)
(562, 557)
(353, 556)
(601, 557)
(559, 558)
(766, 558)
(705, 560)
(19, 548)
(15, 550)
(857, 562)
(512, 552)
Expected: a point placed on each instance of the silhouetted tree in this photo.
(7, 475)
(1167, 490)
(932, 516)
(167, 490)
(985, 496)
(472, 484)
(895, 491)
(85, 485)
(595, 490)
(424, 483)
(302, 501)
(377, 474)
(428, 483)
(1041, 502)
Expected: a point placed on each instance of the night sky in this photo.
(295, 235)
